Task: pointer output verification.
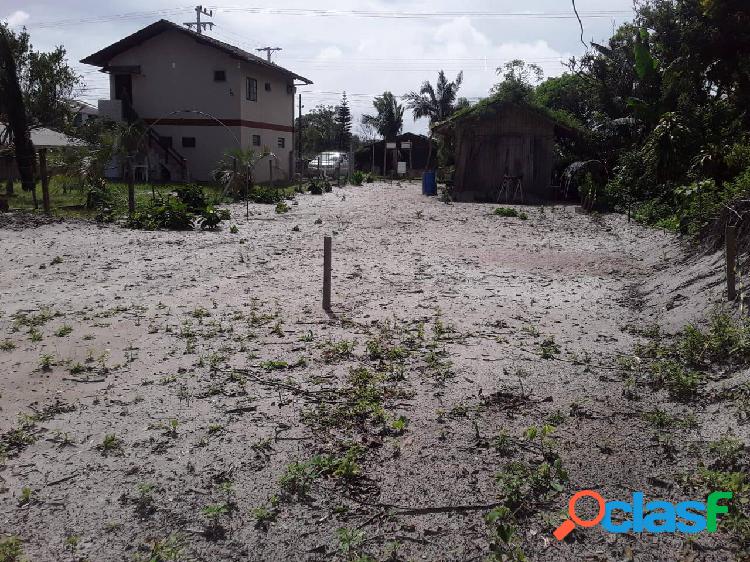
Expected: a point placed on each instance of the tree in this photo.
(236, 170)
(35, 89)
(518, 81)
(320, 131)
(436, 104)
(13, 107)
(569, 92)
(344, 124)
(389, 119)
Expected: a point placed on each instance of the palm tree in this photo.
(390, 117)
(236, 170)
(437, 104)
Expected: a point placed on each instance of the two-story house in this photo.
(201, 97)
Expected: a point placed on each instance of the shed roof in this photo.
(47, 138)
(102, 58)
(493, 105)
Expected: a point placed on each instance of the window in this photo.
(282, 142)
(252, 89)
(188, 142)
(256, 140)
(220, 76)
(268, 86)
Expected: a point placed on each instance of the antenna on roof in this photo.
(200, 25)
(269, 50)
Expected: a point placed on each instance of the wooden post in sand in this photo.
(131, 186)
(731, 238)
(45, 180)
(327, 273)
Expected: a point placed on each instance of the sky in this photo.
(363, 47)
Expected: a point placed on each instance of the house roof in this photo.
(493, 105)
(102, 58)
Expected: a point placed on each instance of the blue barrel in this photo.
(429, 184)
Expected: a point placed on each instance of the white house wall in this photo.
(177, 73)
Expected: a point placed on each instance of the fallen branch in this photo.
(312, 394)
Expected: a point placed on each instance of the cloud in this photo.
(460, 31)
(17, 18)
(330, 53)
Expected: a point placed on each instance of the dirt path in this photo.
(206, 359)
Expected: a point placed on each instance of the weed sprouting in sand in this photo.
(349, 542)
(264, 515)
(504, 541)
(549, 348)
(168, 549)
(214, 514)
(333, 351)
(728, 453)
(11, 549)
(7, 345)
(64, 330)
(144, 499)
(300, 475)
(682, 365)
(111, 445)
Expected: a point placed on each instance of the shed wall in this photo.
(511, 142)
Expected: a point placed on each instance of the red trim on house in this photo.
(193, 122)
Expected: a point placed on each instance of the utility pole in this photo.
(299, 131)
(268, 51)
(200, 25)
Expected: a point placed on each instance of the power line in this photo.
(108, 18)
(392, 14)
(398, 14)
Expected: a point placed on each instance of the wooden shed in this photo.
(497, 142)
(370, 157)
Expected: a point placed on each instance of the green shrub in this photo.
(167, 213)
(369, 178)
(266, 195)
(101, 199)
(281, 208)
(318, 186)
(184, 209)
(357, 178)
(510, 213)
(690, 208)
(193, 197)
(212, 217)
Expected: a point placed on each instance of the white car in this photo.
(329, 163)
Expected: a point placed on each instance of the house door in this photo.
(124, 88)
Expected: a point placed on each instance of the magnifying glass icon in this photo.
(568, 525)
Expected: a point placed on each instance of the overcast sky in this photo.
(362, 55)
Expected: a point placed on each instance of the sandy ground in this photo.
(166, 342)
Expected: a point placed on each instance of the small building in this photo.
(201, 97)
(83, 113)
(496, 142)
(410, 148)
(43, 139)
